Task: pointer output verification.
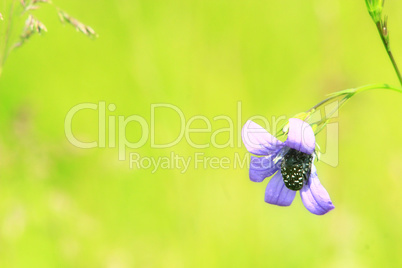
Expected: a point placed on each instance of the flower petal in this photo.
(314, 196)
(262, 167)
(258, 141)
(276, 192)
(301, 136)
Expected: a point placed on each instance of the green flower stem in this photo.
(342, 96)
(365, 88)
(387, 47)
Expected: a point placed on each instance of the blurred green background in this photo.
(61, 206)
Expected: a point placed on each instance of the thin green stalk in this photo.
(345, 95)
(7, 37)
(365, 88)
(342, 97)
(387, 47)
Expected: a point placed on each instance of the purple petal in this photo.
(262, 167)
(314, 196)
(258, 141)
(277, 193)
(301, 136)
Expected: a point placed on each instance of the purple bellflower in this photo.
(292, 161)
